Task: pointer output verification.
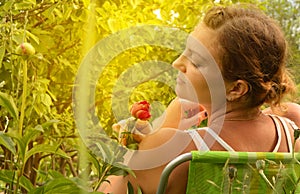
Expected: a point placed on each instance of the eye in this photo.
(194, 58)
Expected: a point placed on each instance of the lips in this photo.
(180, 80)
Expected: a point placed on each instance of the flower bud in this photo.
(25, 49)
(143, 115)
(232, 173)
(141, 110)
(260, 164)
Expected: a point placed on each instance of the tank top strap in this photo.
(278, 131)
(218, 139)
(287, 131)
(199, 142)
(197, 139)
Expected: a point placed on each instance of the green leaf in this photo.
(7, 176)
(7, 102)
(94, 161)
(33, 37)
(7, 142)
(130, 189)
(2, 52)
(49, 123)
(125, 168)
(59, 28)
(113, 24)
(23, 5)
(140, 190)
(46, 100)
(59, 185)
(7, 6)
(55, 174)
(105, 151)
(20, 143)
(31, 134)
(25, 183)
(45, 149)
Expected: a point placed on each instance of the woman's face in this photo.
(199, 75)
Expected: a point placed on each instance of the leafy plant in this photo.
(41, 150)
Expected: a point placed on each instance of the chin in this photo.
(187, 95)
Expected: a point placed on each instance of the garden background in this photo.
(41, 150)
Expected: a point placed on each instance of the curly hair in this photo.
(252, 47)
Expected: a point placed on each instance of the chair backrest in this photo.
(237, 172)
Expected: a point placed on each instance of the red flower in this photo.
(141, 110)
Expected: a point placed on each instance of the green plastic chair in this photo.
(216, 172)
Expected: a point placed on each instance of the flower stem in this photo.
(24, 94)
(101, 179)
(262, 174)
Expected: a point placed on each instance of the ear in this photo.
(236, 90)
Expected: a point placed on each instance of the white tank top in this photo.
(201, 145)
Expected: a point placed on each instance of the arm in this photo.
(148, 178)
(180, 114)
(116, 184)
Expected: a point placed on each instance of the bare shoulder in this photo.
(290, 110)
(293, 112)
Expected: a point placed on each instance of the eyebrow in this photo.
(201, 54)
(196, 48)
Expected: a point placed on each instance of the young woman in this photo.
(234, 62)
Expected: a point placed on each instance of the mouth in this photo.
(180, 80)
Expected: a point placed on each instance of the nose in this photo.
(180, 63)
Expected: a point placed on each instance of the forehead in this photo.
(207, 37)
(204, 35)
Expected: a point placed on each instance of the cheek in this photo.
(185, 87)
(198, 83)
(212, 85)
(201, 87)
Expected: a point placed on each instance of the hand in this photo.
(136, 135)
(181, 114)
(192, 114)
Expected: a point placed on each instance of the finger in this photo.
(189, 108)
(193, 121)
(202, 108)
(137, 137)
(122, 123)
(187, 123)
(202, 116)
(116, 127)
(185, 104)
(123, 141)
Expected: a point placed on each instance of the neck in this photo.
(245, 114)
(229, 113)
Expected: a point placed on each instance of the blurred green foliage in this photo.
(36, 91)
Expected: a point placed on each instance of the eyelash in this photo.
(193, 61)
(190, 56)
